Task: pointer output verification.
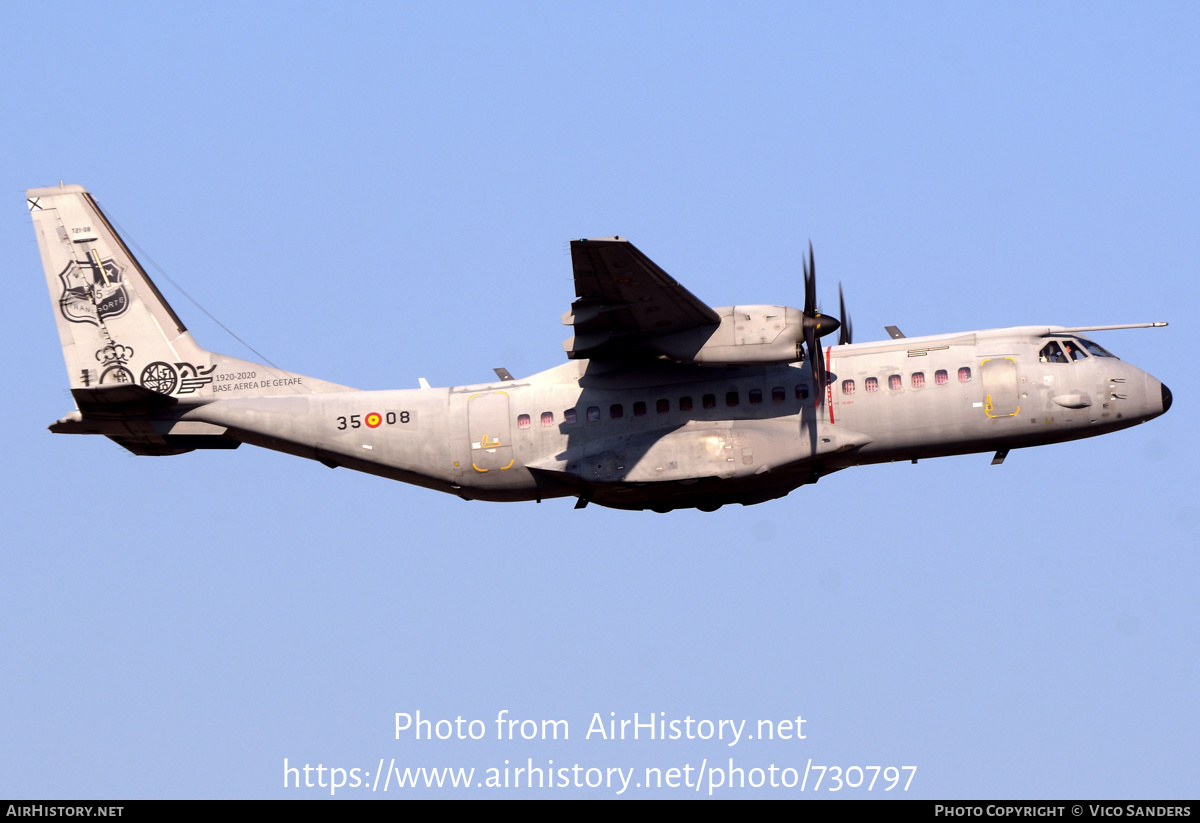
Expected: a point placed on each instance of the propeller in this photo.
(844, 335)
(817, 325)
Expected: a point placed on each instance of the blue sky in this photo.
(382, 192)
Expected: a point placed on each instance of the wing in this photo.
(624, 300)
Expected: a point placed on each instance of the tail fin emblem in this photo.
(94, 295)
(113, 359)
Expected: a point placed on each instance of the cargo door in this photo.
(1000, 390)
(489, 429)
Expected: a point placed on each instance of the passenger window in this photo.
(940, 377)
(778, 395)
(593, 414)
(522, 421)
(639, 409)
(615, 411)
(872, 384)
(569, 417)
(547, 419)
(662, 406)
(755, 396)
(894, 382)
(685, 404)
(964, 375)
(731, 398)
(710, 401)
(802, 391)
(847, 387)
(918, 380)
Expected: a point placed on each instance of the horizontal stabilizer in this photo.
(173, 444)
(119, 397)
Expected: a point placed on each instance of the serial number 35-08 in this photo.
(373, 420)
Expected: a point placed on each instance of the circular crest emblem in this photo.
(373, 420)
(160, 377)
(116, 374)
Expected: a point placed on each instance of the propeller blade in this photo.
(822, 376)
(810, 283)
(844, 337)
(817, 325)
(816, 362)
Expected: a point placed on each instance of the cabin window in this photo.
(964, 375)
(1073, 350)
(569, 417)
(802, 391)
(662, 406)
(522, 421)
(1096, 349)
(755, 396)
(778, 395)
(685, 404)
(709, 401)
(547, 419)
(941, 377)
(616, 411)
(1051, 353)
(847, 387)
(872, 384)
(593, 414)
(918, 380)
(639, 409)
(731, 398)
(894, 382)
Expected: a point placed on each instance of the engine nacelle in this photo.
(746, 335)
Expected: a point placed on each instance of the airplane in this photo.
(663, 402)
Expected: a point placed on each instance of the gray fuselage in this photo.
(695, 436)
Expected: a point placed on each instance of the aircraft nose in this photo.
(1166, 397)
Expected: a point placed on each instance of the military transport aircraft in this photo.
(664, 402)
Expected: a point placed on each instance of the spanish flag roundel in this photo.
(373, 420)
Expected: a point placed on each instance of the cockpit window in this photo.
(1074, 351)
(1096, 349)
(1052, 353)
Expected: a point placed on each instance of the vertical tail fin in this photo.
(110, 316)
(115, 326)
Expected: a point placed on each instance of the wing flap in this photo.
(624, 299)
